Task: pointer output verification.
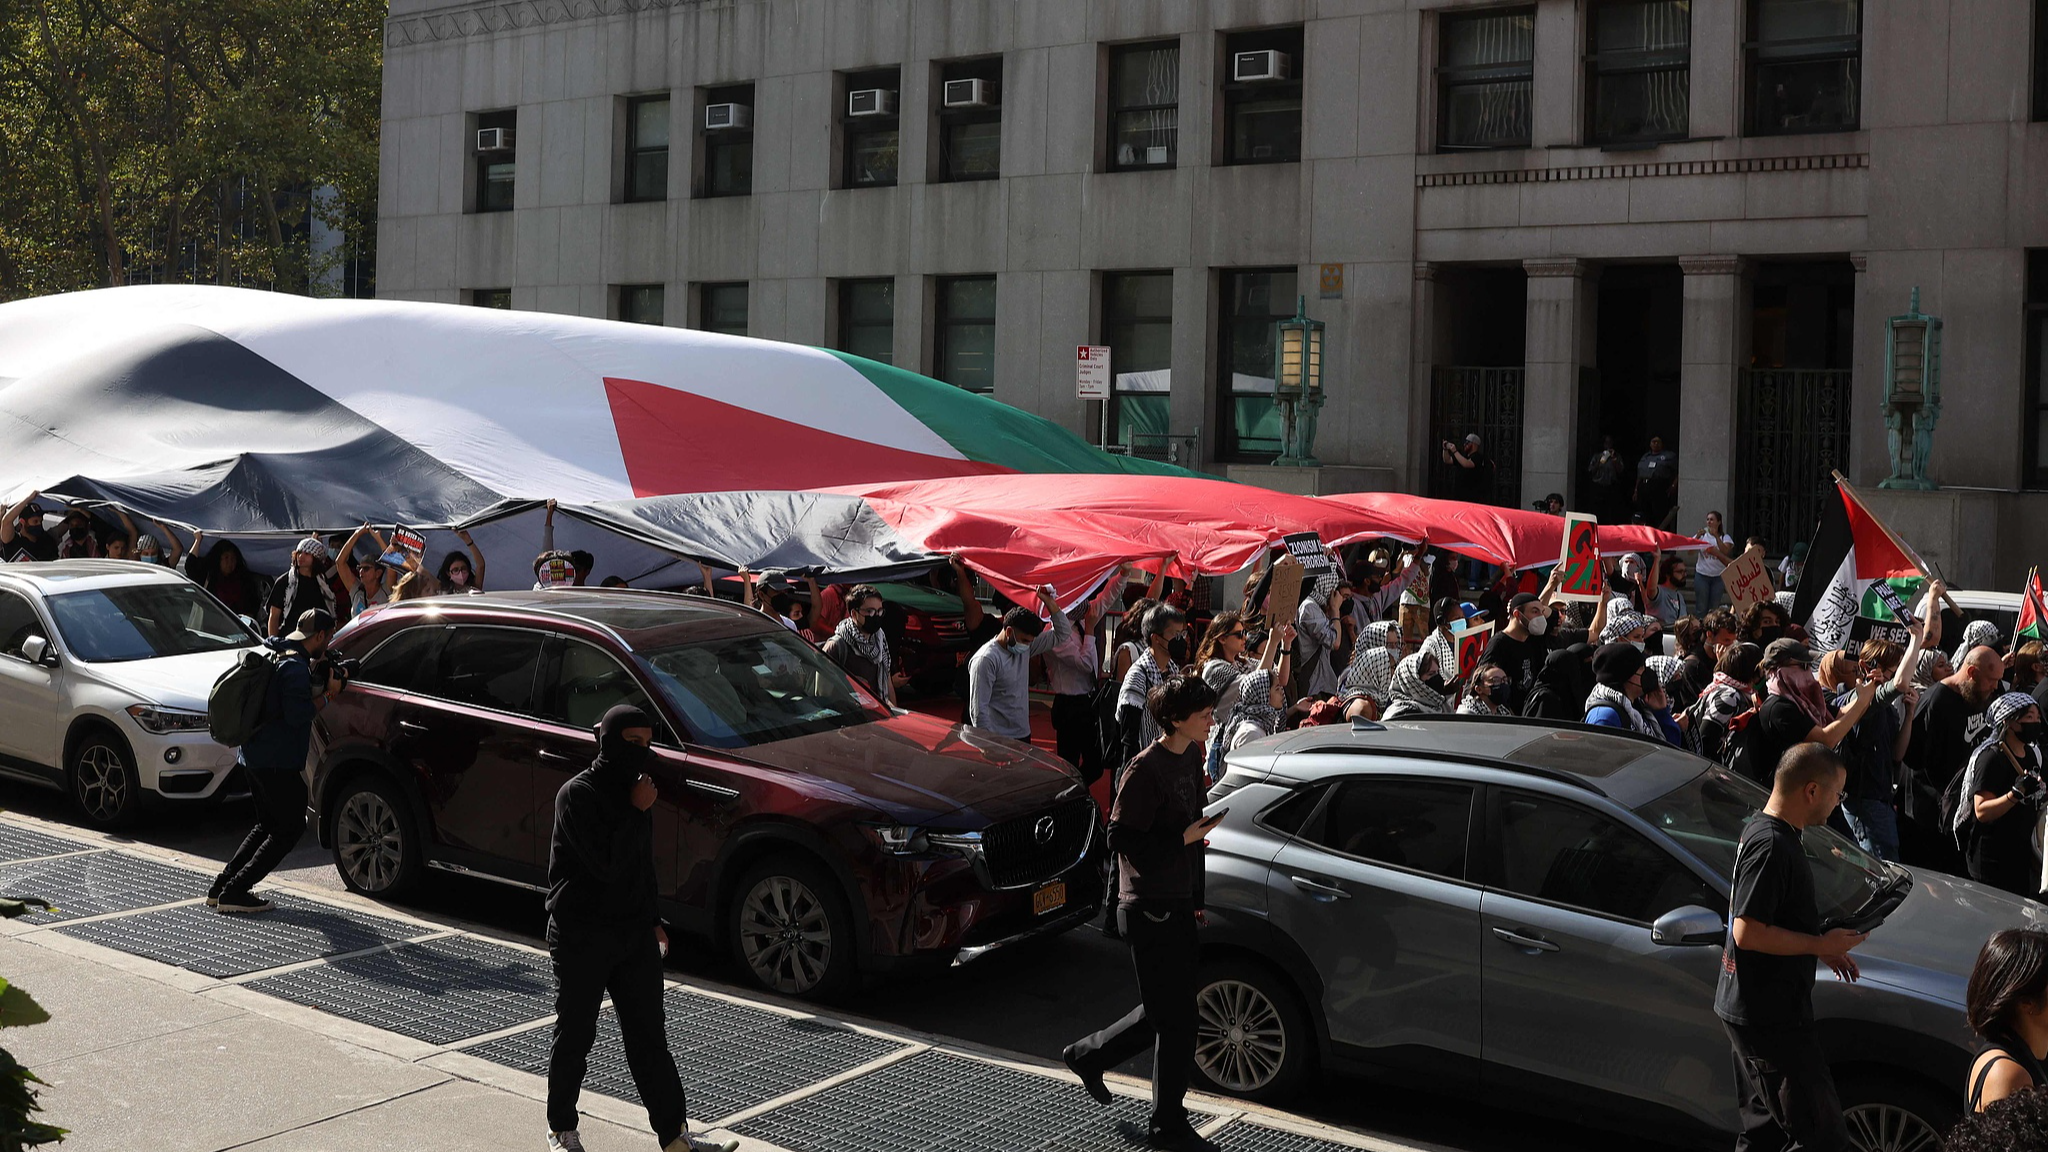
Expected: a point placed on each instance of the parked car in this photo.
(105, 666)
(800, 822)
(1539, 910)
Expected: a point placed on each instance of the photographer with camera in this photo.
(274, 758)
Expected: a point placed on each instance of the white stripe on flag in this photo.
(1835, 614)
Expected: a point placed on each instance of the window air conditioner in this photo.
(1267, 65)
(494, 139)
(871, 102)
(719, 117)
(970, 94)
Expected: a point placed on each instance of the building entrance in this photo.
(1793, 403)
(1628, 402)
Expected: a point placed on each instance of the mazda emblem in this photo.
(1042, 831)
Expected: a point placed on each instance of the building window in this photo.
(1144, 105)
(971, 120)
(870, 128)
(647, 148)
(1137, 324)
(1253, 301)
(2036, 418)
(492, 142)
(964, 351)
(728, 136)
(1262, 99)
(1486, 66)
(641, 303)
(867, 318)
(1805, 66)
(1640, 72)
(500, 298)
(722, 308)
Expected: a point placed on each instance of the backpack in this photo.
(236, 704)
(1739, 751)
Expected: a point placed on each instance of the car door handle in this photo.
(412, 726)
(1520, 941)
(1319, 888)
(549, 754)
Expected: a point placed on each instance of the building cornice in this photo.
(464, 21)
(1729, 167)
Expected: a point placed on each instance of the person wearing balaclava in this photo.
(1561, 686)
(1617, 685)
(305, 585)
(2001, 798)
(606, 936)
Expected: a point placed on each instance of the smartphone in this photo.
(1218, 817)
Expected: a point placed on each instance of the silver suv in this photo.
(1539, 910)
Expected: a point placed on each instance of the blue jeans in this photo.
(1706, 591)
(1876, 826)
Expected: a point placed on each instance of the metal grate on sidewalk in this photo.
(18, 843)
(98, 883)
(1247, 1137)
(439, 991)
(732, 1057)
(205, 941)
(939, 1102)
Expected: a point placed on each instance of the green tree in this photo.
(19, 1128)
(163, 140)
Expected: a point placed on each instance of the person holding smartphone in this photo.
(1156, 829)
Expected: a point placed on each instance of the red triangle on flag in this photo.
(2030, 609)
(1877, 554)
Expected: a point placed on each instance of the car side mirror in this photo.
(36, 650)
(1690, 924)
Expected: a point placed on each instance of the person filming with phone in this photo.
(1765, 997)
(1157, 830)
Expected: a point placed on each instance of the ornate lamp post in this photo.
(1912, 395)
(1298, 385)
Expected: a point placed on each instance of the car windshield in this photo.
(1705, 815)
(145, 621)
(739, 691)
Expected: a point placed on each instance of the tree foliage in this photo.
(167, 140)
(19, 1129)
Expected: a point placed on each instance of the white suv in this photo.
(104, 670)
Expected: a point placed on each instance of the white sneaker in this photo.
(689, 1143)
(565, 1141)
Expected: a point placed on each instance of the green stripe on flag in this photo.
(1909, 588)
(990, 432)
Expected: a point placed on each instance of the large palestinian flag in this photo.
(1855, 572)
(249, 412)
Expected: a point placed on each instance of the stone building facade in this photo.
(1547, 222)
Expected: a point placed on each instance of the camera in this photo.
(327, 671)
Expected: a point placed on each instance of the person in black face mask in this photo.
(860, 646)
(605, 934)
(1763, 623)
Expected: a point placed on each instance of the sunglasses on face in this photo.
(1237, 635)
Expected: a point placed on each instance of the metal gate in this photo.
(1483, 400)
(1792, 432)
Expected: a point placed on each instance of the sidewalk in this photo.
(335, 1023)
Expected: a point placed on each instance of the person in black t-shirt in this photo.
(1944, 732)
(1521, 647)
(1765, 997)
(21, 533)
(1797, 710)
(2003, 788)
(305, 585)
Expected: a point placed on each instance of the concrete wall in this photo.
(1940, 187)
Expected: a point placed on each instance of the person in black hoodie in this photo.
(1157, 830)
(1561, 687)
(605, 934)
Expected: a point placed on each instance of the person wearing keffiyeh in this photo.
(2000, 802)
(1417, 690)
(1978, 634)
(1316, 635)
(1617, 685)
(1257, 713)
(1368, 684)
(860, 646)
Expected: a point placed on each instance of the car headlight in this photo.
(898, 839)
(966, 844)
(162, 720)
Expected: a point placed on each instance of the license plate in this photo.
(1053, 895)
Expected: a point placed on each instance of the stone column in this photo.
(1713, 349)
(1562, 303)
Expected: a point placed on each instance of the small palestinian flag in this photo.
(2030, 626)
(1857, 554)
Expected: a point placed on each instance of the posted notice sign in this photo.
(1091, 371)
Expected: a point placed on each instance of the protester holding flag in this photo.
(2003, 788)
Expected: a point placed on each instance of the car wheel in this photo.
(1894, 1114)
(375, 847)
(1252, 1036)
(791, 929)
(102, 780)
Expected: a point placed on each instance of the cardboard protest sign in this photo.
(1747, 580)
(1470, 644)
(1579, 557)
(404, 542)
(1283, 592)
(558, 573)
(1308, 551)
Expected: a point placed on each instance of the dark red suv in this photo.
(800, 822)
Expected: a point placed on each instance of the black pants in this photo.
(1787, 1093)
(1077, 734)
(1165, 952)
(280, 795)
(589, 963)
